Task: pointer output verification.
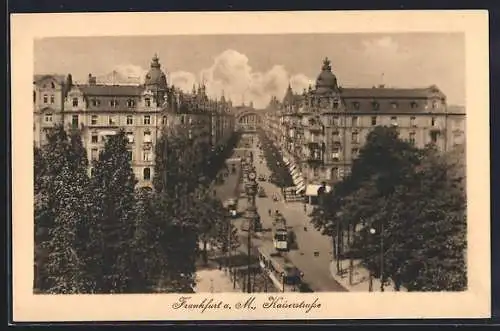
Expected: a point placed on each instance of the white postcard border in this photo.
(473, 303)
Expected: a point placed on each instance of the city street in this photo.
(316, 268)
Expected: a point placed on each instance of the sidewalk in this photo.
(213, 281)
(360, 275)
(360, 278)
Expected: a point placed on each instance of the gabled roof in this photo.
(111, 90)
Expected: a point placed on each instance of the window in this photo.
(334, 173)
(34, 96)
(130, 120)
(435, 104)
(148, 102)
(52, 99)
(147, 174)
(94, 154)
(335, 121)
(354, 121)
(113, 103)
(48, 118)
(183, 119)
(130, 155)
(355, 105)
(164, 120)
(394, 105)
(434, 137)
(315, 172)
(458, 138)
(433, 121)
(412, 138)
(74, 121)
(355, 137)
(147, 137)
(52, 85)
(130, 103)
(190, 134)
(130, 137)
(93, 120)
(335, 136)
(374, 120)
(376, 105)
(94, 138)
(190, 120)
(413, 105)
(92, 172)
(112, 120)
(394, 121)
(75, 102)
(413, 121)
(335, 153)
(45, 98)
(146, 156)
(147, 119)
(335, 104)
(95, 102)
(354, 152)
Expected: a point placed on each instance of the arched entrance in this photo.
(248, 120)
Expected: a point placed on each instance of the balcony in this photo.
(315, 127)
(314, 159)
(436, 130)
(313, 143)
(314, 156)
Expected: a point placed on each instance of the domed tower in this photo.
(326, 81)
(156, 80)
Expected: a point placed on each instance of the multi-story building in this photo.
(322, 130)
(100, 110)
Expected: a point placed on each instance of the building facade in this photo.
(101, 110)
(322, 130)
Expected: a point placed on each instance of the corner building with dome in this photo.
(322, 130)
(141, 110)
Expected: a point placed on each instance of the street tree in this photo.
(62, 204)
(113, 186)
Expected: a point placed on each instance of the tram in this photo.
(284, 275)
(280, 234)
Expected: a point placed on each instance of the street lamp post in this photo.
(283, 276)
(251, 190)
(381, 256)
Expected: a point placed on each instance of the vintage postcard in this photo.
(250, 166)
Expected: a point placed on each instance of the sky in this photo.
(255, 67)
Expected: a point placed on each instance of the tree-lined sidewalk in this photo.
(100, 234)
(401, 213)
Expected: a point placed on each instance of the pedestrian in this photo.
(305, 208)
(270, 212)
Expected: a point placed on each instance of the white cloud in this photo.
(183, 80)
(231, 74)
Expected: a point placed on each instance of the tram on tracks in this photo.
(284, 275)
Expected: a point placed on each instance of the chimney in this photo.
(92, 80)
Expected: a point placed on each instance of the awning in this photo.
(297, 179)
(312, 189)
(294, 171)
(300, 188)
